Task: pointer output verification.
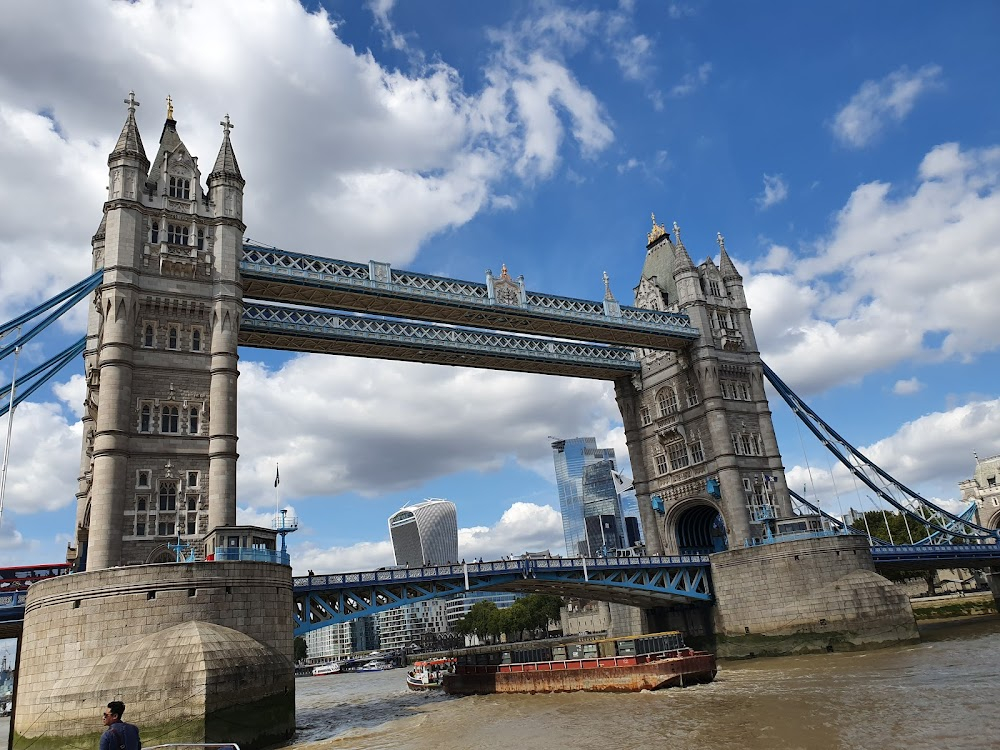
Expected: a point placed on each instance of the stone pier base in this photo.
(198, 652)
(809, 595)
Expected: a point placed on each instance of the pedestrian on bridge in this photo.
(119, 735)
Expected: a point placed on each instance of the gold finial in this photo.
(657, 231)
(503, 271)
(170, 108)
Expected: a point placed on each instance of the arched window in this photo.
(154, 235)
(147, 336)
(201, 239)
(168, 496)
(179, 187)
(144, 419)
(667, 401)
(177, 235)
(193, 422)
(196, 340)
(169, 420)
(172, 338)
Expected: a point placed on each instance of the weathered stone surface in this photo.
(197, 651)
(806, 595)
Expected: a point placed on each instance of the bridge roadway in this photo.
(638, 581)
(272, 275)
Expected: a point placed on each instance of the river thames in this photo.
(939, 693)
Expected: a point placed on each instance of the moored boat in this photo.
(428, 674)
(375, 665)
(325, 669)
(644, 662)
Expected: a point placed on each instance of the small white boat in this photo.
(428, 675)
(325, 669)
(375, 665)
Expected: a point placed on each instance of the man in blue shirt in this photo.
(119, 735)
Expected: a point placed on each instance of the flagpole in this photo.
(277, 481)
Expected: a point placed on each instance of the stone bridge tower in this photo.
(705, 459)
(159, 431)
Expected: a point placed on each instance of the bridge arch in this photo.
(161, 554)
(697, 527)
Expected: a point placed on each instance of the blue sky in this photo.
(850, 154)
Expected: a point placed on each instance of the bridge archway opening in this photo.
(701, 530)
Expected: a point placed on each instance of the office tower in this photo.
(593, 522)
(425, 533)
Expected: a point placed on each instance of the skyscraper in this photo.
(591, 511)
(425, 533)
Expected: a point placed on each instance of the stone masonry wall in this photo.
(806, 595)
(73, 622)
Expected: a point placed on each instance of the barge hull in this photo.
(548, 677)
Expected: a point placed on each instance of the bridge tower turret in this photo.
(706, 463)
(159, 445)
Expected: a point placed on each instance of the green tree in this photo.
(301, 649)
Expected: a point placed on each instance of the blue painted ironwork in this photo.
(921, 557)
(261, 266)
(86, 285)
(50, 368)
(608, 361)
(942, 525)
(329, 599)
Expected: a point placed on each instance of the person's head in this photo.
(114, 712)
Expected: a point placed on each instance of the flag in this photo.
(277, 477)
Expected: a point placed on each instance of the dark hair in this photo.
(117, 708)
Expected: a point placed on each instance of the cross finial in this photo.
(677, 233)
(131, 102)
(226, 125)
(607, 287)
(170, 108)
(721, 240)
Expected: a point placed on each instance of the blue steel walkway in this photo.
(638, 581)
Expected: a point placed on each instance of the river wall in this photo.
(198, 652)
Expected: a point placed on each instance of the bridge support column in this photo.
(808, 595)
(199, 652)
(993, 576)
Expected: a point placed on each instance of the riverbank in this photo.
(954, 605)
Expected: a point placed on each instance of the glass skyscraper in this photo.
(592, 516)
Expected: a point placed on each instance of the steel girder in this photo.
(935, 557)
(645, 582)
(274, 275)
(272, 327)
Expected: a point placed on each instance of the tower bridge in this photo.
(179, 289)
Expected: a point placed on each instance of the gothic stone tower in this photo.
(697, 422)
(159, 432)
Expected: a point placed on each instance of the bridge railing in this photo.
(522, 567)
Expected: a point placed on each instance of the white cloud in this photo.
(523, 527)
(877, 103)
(857, 300)
(907, 387)
(44, 459)
(775, 191)
(14, 547)
(337, 424)
(930, 454)
(693, 81)
(347, 153)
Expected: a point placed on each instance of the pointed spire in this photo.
(607, 288)
(725, 262)
(225, 163)
(682, 261)
(129, 143)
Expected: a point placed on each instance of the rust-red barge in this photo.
(612, 665)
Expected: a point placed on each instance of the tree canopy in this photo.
(528, 614)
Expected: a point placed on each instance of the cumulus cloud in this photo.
(907, 387)
(775, 191)
(523, 527)
(44, 459)
(337, 424)
(876, 104)
(857, 300)
(931, 454)
(350, 158)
